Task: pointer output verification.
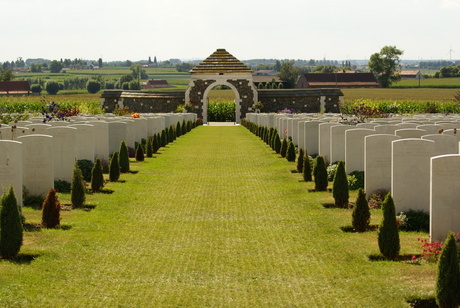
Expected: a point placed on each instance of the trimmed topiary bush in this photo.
(290, 154)
(139, 153)
(178, 129)
(388, 233)
(164, 138)
(300, 160)
(340, 186)
(11, 232)
(156, 143)
(320, 174)
(52, 87)
(184, 127)
(92, 86)
(114, 168)
(123, 157)
(51, 211)
(36, 88)
(361, 216)
(77, 188)
(171, 134)
(306, 172)
(284, 146)
(189, 126)
(97, 177)
(448, 275)
(149, 147)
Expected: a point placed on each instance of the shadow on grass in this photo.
(333, 206)
(104, 191)
(412, 259)
(352, 230)
(294, 171)
(32, 227)
(132, 172)
(422, 302)
(23, 258)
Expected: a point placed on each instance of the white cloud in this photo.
(450, 4)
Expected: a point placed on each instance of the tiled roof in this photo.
(221, 62)
(14, 86)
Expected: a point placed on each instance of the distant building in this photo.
(411, 74)
(264, 79)
(337, 80)
(157, 84)
(19, 87)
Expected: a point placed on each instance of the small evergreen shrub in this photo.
(184, 128)
(306, 172)
(85, 166)
(11, 232)
(300, 160)
(171, 134)
(156, 143)
(448, 275)
(77, 188)
(164, 138)
(290, 155)
(114, 168)
(277, 144)
(388, 233)
(97, 178)
(361, 216)
(320, 174)
(178, 129)
(149, 147)
(284, 146)
(51, 210)
(123, 157)
(139, 153)
(416, 220)
(62, 186)
(340, 186)
(189, 126)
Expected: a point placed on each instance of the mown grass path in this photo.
(216, 220)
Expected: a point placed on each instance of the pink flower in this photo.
(414, 258)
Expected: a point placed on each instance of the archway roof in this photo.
(221, 62)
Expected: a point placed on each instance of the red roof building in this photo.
(19, 87)
(337, 80)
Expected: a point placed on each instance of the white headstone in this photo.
(324, 140)
(38, 128)
(11, 167)
(101, 139)
(410, 133)
(338, 142)
(443, 144)
(118, 131)
(312, 137)
(84, 142)
(64, 147)
(354, 148)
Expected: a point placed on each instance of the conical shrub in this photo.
(171, 134)
(114, 168)
(388, 233)
(277, 143)
(164, 138)
(290, 155)
(189, 126)
(448, 275)
(284, 146)
(320, 174)
(77, 188)
(149, 147)
(300, 159)
(184, 127)
(11, 232)
(51, 210)
(340, 186)
(123, 157)
(306, 172)
(97, 177)
(361, 215)
(178, 129)
(139, 153)
(156, 143)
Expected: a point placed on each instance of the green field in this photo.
(215, 220)
(429, 83)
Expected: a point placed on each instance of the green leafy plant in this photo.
(300, 160)
(123, 157)
(290, 154)
(62, 186)
(139, 153)
(388, 233)
(356, 180)
(114, 168)
(361, 214)
(78, 191)
(340, 186)
(306, 172)
(11, 232)
(97, 177)
(320, 174)
(448, 275)
(416, 220)
(284, 146)
(86, 167)
(149, 147)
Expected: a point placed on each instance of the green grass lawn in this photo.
(215, 220)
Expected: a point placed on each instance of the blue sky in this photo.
(193, 29)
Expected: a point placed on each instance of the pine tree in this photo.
(149, 147)
(171, 134)
(164, 138)
(300, 159)
(388, 234)
(340, 186)
(123, 157)
(306, 172)
(320, 174)
(139, 153)
(178, 129)
(114, 168)
(11, 232)
(51, 210)
(156, 143)
(448, 275)
(361, 215)
(77, 188)
(290, 155)
(189, 126)
(97, 177)
(284, 146)
(184, 127)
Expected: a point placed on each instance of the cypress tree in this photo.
(11, 232)
(277, 143)
(284, 146)
(340, 186)
(361, 215)
(51, 210)
(156, 143)
(171, 134)
(97, 177)
(184, 127)
(290, 155)
(388, 234)
(77, 188)
(149, 147)
(189, 126)
(114, 168)
(300, 159)
(164, 138)
(320, 174)
(448, 275)
(178, 129)
(123, 157)
(306, 172)
(139, 153)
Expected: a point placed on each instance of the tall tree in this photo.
(385, 64)
(289, 73)
(55, 66)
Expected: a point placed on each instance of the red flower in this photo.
(192, 102)
(286, 131)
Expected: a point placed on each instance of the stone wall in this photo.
(301, 101)
(142, 102)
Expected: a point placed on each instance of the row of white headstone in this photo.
(416, 158)
(33, 155)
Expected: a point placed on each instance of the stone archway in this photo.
(221, 68)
